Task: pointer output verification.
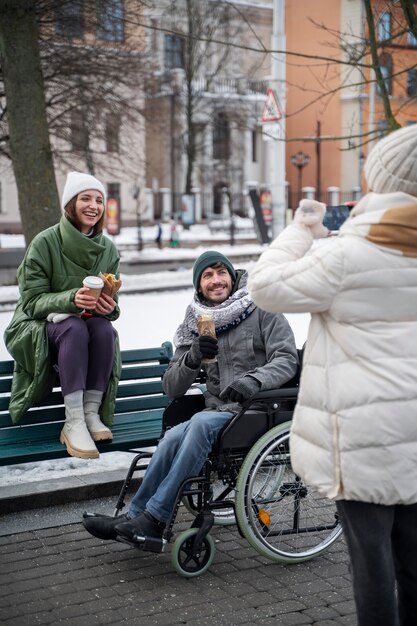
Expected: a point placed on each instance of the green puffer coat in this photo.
(55, 264)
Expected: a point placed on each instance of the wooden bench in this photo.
(138, 413)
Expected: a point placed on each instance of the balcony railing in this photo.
(226, 86)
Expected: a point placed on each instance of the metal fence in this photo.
(330, 197)
(212, 203)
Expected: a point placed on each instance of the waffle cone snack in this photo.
(205, 326)
(111, 283)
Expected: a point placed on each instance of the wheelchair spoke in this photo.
(280, 516)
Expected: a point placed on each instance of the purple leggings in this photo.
(84, 351)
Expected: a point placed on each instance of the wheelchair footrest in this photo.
(148, 544)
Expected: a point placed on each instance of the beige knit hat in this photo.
(392, 163)
(76, 183)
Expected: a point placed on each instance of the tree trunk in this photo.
(28, 127)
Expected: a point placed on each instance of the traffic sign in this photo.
(271, 111)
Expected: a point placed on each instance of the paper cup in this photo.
(94, 284)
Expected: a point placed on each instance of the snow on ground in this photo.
(147, 320)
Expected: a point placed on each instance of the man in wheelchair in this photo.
(252, 351)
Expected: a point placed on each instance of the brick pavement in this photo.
(62, 575)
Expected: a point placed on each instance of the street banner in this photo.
(113, 216)
(188, 209)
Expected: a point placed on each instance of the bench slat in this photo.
(142, 371)
(6, 367)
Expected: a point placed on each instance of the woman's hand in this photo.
(83, 299)
(105, 305)
(309, 215)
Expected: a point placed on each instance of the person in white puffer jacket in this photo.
(354, 431)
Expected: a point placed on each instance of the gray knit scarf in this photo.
(227, 315)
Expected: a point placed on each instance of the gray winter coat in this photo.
(262, 345)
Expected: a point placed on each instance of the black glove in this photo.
(241, 389)
(204, 347)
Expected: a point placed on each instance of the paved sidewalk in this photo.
(62, 575)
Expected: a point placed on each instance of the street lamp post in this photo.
(136, 196)
(300, 160)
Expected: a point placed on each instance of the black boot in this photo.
(144, 525)
(103, 526)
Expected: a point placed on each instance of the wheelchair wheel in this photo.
(184, 561)
(222, 517)
(281, 517)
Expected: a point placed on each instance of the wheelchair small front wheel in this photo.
(186, 560)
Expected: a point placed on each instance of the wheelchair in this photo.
(248, 480)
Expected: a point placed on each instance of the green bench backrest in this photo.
(138, 414)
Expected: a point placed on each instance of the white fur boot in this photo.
(75, 435)
(92, 402)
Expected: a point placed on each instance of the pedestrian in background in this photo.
(174, 240)
(59, 326)
(158, 238)
(354, 432)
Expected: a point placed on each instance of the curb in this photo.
(46, 493)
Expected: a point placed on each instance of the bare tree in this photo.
(30, 149)
(202, 32)
(367, 56)
(75, 89)
(93, 81)
(410, 15)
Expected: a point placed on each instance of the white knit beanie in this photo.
(76, 183)
(392, 163)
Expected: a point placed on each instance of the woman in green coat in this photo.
(59, 327)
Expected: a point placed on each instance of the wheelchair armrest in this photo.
(272, 394)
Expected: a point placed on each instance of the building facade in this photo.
(191, 123)
(209, 81)
(93, 52)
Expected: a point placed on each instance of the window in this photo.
(173, 52)
(218, 191)
(412, 83)
(221, 137)
(79, 133)
(110, 25)
(411, 39)
(69, 18)
(113, 190)
(383, 128)
(384, 27)
(385, 61)
(112, 132)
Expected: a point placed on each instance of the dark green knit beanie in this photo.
(209, 259)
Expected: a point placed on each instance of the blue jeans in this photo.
(180, 455)
(382, 544)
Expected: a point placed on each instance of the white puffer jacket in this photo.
(354, 432)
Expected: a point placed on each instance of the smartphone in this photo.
(335, 216)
